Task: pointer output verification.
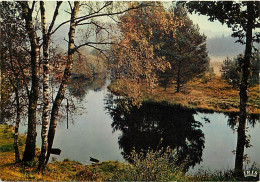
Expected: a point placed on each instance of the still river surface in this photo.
(104, 131)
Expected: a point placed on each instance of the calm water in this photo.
(108, 132)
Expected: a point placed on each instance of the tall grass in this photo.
(151, 165)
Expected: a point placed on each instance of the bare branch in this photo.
(65, 22)
(67, 12)
(66, 40)
(114, 19)
(88, 23)
(56, 12)
(70, 6)
(94, 23)
(33, 5)
(100, 50)
(99, 26)
(92, 43)
(94, 15)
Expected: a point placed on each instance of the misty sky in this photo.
(211, 29)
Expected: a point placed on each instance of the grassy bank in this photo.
(57, 171)
(150, 168)
(67, 170)
(207, 94)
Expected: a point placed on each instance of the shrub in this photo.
(231, 69)
(151, 166)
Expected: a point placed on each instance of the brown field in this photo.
(213, 94)
(216, 67)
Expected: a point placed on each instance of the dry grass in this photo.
(11, 171)
(57, 171)
(216, 65)
(214, 95)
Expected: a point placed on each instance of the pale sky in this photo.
(210, 29)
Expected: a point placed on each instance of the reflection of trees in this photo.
(145, 126)
(252, 120)
(79, 84)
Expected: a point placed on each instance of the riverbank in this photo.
(213, 94)
(105, 171)
(57, 171)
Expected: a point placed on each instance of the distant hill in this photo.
(224, 46)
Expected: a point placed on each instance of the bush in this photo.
(87, 175)
(7, 148)
(231, 70)
(207, 175)
(151, 166)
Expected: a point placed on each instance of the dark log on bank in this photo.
(94, 160)
(55, 151)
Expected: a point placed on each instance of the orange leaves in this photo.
(137, 57)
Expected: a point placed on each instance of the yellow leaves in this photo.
(136, 58)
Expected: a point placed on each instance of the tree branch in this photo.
(56, 12)
(92, 43)
(92, 15)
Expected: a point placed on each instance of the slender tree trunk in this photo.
(178, 77)
(65, 79)
(16, 129)
(1, 64)
(46, 99)
(29, 152)
(241, 137)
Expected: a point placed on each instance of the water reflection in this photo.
(143, 128)
(233, 119)
(80, 84)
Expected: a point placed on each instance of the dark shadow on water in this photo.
(143, 128)
(233, 118)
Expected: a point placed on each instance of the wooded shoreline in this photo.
(214, 95)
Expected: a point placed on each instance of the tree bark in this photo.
(16, 129)
(46, 99)
(241, 137)
(66, 75)
(178, 77)
(29, 152)
(1, 92)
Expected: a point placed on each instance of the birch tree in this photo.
(27, 13)
(46, 98)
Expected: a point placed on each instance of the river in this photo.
(106, 132)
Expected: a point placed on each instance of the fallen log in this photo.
(94, 160)
(55, 151)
